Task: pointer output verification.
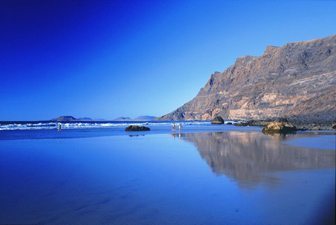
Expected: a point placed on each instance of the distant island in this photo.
(139, 118)
(74, 119)
(296, 81)
(70, 118)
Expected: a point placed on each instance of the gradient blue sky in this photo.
(105, 59)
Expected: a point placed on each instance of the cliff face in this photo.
(296, 80)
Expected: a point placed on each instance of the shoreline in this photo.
(300, 123)
(155, 130)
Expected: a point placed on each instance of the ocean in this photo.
(202, 174)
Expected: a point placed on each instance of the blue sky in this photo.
(106, 59)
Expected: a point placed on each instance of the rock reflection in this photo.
(248, 157)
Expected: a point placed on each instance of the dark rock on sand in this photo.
(217, 120)
(137, 128)
(279, 127)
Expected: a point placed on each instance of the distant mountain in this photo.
(139, 118)
(71, 118)
(297, 80)
(65, 119)
(145, 118)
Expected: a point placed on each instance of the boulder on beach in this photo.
(217, 120)
(279, 127)
(137, 128)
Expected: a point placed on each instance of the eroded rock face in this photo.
(333, 126)
(297, 80)
(217, 120)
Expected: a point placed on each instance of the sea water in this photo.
(202, 175)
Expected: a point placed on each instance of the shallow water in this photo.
(226, 177)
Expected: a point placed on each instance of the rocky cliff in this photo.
(297, 80)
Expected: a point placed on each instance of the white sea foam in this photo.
(88, 125)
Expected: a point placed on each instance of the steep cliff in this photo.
(297, 80)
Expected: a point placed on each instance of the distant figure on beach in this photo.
(59, 126)
(177, 126)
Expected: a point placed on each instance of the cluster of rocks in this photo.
(280, 125)
(300, 124)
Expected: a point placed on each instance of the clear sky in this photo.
(106, 59)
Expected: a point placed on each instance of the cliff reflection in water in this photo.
(249, 156)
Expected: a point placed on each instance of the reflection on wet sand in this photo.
(248, 157)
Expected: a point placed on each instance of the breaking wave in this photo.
(88, 125)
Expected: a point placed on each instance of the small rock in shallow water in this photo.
(137, 128)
